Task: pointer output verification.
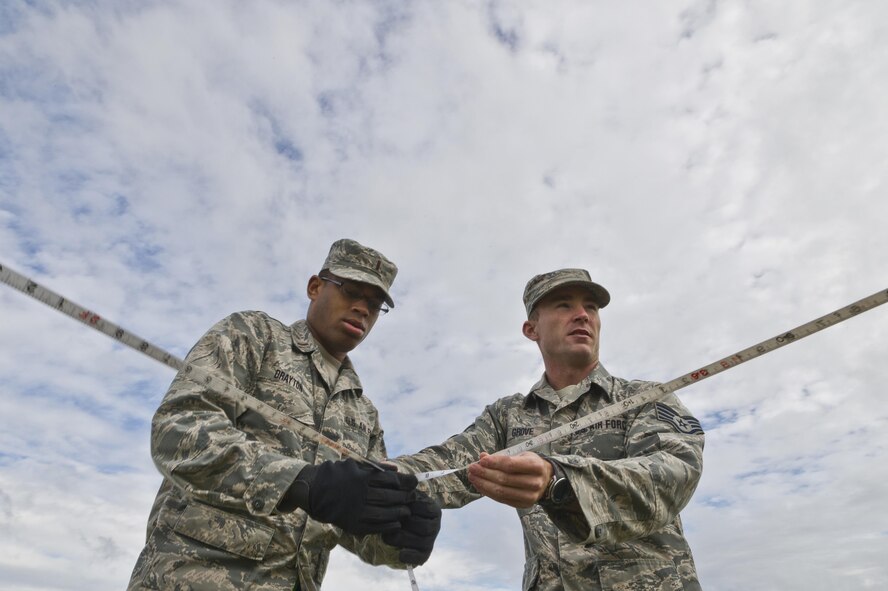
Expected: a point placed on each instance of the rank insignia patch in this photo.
(688, 425)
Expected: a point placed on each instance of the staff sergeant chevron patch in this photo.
(688, 425)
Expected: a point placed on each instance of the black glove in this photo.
(354, 496)
(416, 538)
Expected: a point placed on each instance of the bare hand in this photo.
(518, 481)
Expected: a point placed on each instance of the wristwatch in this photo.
(559, 490)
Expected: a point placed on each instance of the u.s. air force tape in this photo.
(653, 394)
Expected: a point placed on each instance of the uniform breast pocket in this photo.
(605, 440)
(356, 430)
(288, 393)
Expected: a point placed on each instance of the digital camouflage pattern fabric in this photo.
(214, 525)
(631, 475)
(350, 260)
(539, 285)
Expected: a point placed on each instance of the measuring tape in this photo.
(220, 386)
(698, 375)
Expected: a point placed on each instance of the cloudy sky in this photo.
(718, 165)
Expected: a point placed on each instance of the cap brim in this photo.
(602, 296)
(355, 275)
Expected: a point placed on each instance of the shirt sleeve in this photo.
(195, 442)
(454, 490)
(629, 498)
(371, 549)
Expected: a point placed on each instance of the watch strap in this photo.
(559, 479)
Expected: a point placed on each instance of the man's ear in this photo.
(313, 288)
(529, 330)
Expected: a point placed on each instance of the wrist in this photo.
(559, 490)
(297, 495)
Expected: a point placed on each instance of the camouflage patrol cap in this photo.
(351, 260)
(540, 285)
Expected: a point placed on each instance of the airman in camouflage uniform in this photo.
(242, 503)
(599, 508)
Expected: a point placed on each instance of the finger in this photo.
(423, 520)
(381, 516)
(426, 508)
(387, 497)
(407, 539)
(414, 557)
(494, 489)
(412, 550)
(364, 528)
(380, 513)
(406, 481)
(393, 480)
(421, 527)
(514, 497)
(530, 481)
(524, 463)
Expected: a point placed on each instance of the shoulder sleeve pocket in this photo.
(232, 533)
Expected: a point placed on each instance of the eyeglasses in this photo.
(375, 305)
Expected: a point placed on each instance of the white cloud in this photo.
(718, 166)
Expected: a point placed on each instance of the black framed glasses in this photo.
(375, 305)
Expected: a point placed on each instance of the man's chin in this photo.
(349, 340)
(581, 357)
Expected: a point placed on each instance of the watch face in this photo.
(561, 490)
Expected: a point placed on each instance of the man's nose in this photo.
(361, 306)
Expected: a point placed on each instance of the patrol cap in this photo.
(540, 285)
(351, 260)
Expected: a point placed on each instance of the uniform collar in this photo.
(598, 377)
(304, 342)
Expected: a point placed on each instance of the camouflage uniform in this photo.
(631, 475)
(214, 525)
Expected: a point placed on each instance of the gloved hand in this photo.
(354, 496)
(416, 538)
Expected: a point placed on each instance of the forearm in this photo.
(453, 490)
(623, 499)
